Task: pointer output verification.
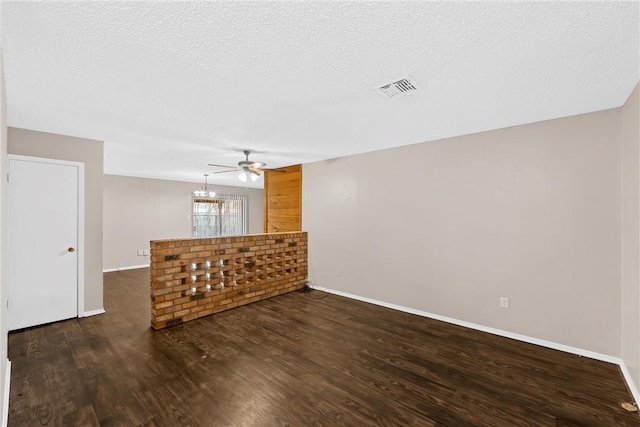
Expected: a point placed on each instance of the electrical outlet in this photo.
(504, 302)
(145, 252)
(140, 252)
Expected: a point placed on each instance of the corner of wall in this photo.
(630, 252)
(5, 364)
(91, 153)
(5, 397)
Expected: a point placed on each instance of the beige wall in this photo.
(3, 238)
(90, 152)
(630, 284)
(137, 210)
(531, 213)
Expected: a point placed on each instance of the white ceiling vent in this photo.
(398, 88)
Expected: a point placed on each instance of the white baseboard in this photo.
(549, 344)
(629, 379)
(128, 267)
(93, 312)
(7, 389)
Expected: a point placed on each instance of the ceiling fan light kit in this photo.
(244, 175)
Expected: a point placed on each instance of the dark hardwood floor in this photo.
(296, 360)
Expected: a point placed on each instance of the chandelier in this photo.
(204, 191)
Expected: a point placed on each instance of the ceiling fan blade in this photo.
(233, 170)
(257, 165)
(222, 166)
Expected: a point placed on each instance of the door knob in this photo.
(71, 249)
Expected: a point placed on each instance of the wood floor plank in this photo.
(300, 359)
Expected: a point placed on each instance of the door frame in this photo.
(80, 243)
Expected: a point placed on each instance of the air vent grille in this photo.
(398, 88)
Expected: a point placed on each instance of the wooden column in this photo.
(283, 200)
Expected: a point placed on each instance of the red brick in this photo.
(267, 277)
(181, 313)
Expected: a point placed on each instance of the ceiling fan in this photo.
(248, 169)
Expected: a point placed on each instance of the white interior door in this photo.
(42, 241)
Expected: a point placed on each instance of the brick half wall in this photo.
(192, 278)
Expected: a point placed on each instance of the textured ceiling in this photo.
(172, 86)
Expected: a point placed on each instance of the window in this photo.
(222, 215)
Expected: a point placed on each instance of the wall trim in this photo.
(629, 379)
(524, 338)
(127, 267)
(93, 312)
(5, 400)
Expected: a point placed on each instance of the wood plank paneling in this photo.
(283, 200)
(284, 179)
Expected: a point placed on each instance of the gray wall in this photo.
(53, 146)
(630, 285)
(137, 210)
(532, 213)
